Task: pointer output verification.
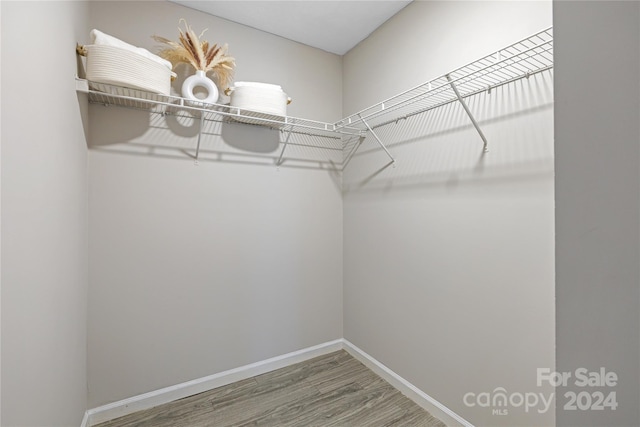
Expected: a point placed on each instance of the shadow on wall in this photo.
(441, 148)
(139, 132)
(181, 135)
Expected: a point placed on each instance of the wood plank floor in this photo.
(330, 390)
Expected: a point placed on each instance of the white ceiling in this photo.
(334, 26)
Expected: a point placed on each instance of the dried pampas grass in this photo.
(198, 53)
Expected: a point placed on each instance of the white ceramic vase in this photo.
(200, 79)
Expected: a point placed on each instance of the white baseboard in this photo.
(425, 401)
(85, 420)
(169, 394)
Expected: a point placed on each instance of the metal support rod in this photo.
(352, 152)
(199, 136)
(286, 141)
(377, 139)
(466, 109)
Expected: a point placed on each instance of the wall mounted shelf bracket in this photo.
(286, 141)
(362, 138)
(376, 138)
(199, 137)
(468, 111)
(353, 151)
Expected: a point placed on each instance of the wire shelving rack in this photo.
(517, 61)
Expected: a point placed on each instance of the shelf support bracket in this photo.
(466, 109)
(199, 136)
(286, 141)
(376, 138)
(353, 151)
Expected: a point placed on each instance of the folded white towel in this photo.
(98, 37)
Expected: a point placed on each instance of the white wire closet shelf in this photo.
(112, 95)
(519, 60)
(106, 94)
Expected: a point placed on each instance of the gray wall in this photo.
(449, 256)
(44, 217)
(217, 265)
(597, 205)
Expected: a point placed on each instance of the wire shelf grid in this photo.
(519, 60)
(106, 94)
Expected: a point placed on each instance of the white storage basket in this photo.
(263, 100)
(115, 66)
